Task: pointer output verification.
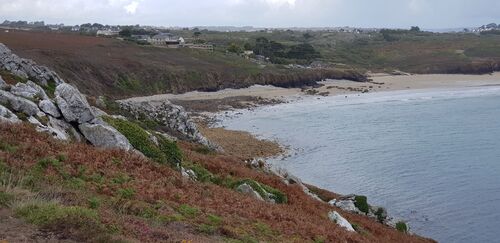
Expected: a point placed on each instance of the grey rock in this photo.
(29, 90)
(105, 136)
(248, 190)
(18, 104)
(73, 105)
(49, 108)
(26, 68)
(340, 221)
(7, 116)
(98, 112)
(189, 174)
(346, 205)
(3, 84)
(173, 117)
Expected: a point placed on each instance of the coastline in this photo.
(379, 82)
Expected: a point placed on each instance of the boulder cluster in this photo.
(173, 117)
(39, 96)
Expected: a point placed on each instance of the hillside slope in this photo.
(103, 66)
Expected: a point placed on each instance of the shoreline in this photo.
(379, 82)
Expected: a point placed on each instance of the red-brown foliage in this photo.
(303, 218)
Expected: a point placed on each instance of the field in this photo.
(103, 66)
(415, 52)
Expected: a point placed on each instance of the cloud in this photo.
(132, 7)
(262, 13)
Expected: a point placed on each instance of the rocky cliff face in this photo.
(68, 115)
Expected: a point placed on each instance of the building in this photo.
(167, 39)
(144, 38)
(108, 33)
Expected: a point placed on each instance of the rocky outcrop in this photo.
(73, 105)
(102, 135)
(3, 84)
(26, 68)
(340, 221)
(7, 116)
(49, 108)
(348, 204)
(248, 190)
(169, 115)
(29, 90)
(18, 104)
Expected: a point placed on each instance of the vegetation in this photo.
(361, 202)
(265, 191)
(70, 189)
(165, 152)
(402, 227)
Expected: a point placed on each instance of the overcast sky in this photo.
(427, 14)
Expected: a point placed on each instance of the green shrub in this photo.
(138, 137)
(361, 202)
(7, 147)
(188, 211)
(170, 149)
(381, 214)
(402, 227)
(166, 152)
(207, 229)
(5, 199)
(263, 190)
(94, 202)
(126, 193)
(52, 215)
(202, 174)
(214, 219)
(121, 179)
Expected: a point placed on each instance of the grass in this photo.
(5, 199)
(126, 193)
(7, 147)
(165, 152)
(69, 219)
(188, 211)
(361, 202)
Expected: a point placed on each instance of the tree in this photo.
(415, 29)
(235, 48)
(307, 36)
(247, 46)
(196, 34)
(126, 32)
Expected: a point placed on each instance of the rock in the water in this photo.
(105, 136)
(73, 105)
(26, 68)
(7, 116)
(18, 104)
(3, 84)
(341, 221)
(29, 90)
(248, 190)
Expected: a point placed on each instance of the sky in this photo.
(428, 14)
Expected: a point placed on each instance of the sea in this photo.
(430, 157)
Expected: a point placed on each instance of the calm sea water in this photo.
(430, 157)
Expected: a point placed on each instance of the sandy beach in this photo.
(380, 82)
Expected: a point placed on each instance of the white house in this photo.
(167, 39)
